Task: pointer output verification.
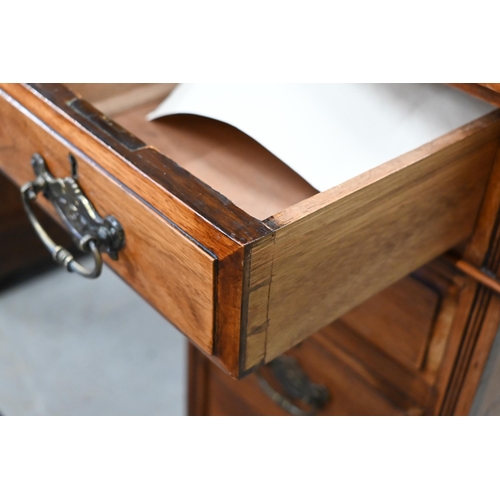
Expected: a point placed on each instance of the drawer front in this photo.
(398, 321)
(349, 394)
(163, 264)
(410, 321)
(186, 244)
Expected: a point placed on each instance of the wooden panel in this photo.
(198, 366)
(487, 395)
(350, 393)
(340, 247)
(259, 287)
(167, 267)
(479, 353)
(444, 278)
(399, 320)
(376, 359)
(227, 347)
(478, 322)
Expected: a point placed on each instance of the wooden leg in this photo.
(20, 249)
(197, 382)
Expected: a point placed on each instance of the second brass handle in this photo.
(295, 385)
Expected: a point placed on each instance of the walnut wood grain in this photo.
(259, 288)
(197, 382)
(408, 386)
(438, 275)
(479, 309)
(399, 320)
(334, 250)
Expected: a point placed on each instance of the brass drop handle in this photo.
(296, 385)
(62, 256)
(90, 232)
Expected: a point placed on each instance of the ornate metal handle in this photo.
(296, 385)
(90, 232)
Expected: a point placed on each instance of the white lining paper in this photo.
(329, 133)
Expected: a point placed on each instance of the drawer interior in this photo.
(219, 154)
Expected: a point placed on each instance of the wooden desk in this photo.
(245, 280)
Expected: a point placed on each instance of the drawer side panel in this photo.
(337, 249)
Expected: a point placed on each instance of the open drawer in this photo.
(244, 279)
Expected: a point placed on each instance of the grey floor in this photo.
(70, 346)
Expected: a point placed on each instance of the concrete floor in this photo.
(70, 346)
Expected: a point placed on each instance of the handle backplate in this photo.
(296, 387)
(90, 231)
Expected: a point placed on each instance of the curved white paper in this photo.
(329, 133)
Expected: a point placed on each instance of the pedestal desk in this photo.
(396, 270)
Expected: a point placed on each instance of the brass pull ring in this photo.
(62, 256)
(91, 232)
